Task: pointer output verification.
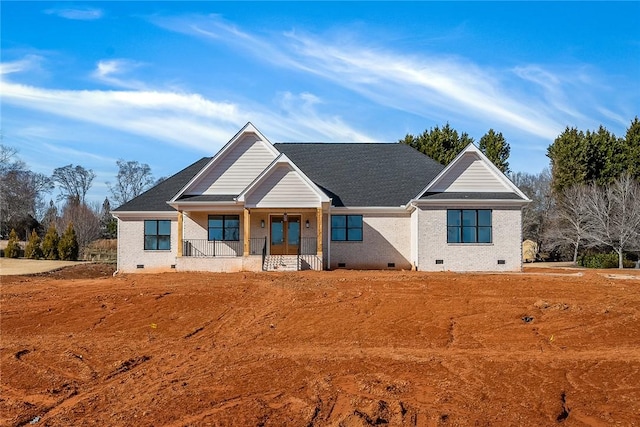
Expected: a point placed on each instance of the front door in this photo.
(285, 235)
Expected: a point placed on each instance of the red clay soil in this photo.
(342, 348)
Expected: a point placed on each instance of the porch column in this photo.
(180, 227)
(246, 230)
(319, 231)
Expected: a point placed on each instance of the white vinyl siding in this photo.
(238, 168)
(283, 188)
(470, 174)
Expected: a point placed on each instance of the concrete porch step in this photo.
(281, 263)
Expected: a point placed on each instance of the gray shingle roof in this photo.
(155, 199)
(352, 174)
(470, 196)
(360, 174)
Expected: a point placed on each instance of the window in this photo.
(469, 226)
(346, 227)
(224, 227)
(157, 235)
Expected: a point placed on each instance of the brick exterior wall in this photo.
(506, 245)
(131, 251)
(386, 239)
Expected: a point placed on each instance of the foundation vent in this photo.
(342, 265)
(501, 262)
(140, 266)
(391, 264)
(439, 261)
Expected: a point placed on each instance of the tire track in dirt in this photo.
(400, 348)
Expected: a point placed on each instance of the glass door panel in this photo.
(285, 235)
(293, 235)
(277, 235)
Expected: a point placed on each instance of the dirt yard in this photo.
(551, 347)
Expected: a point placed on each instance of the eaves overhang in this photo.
(144, 214)
(471, 202)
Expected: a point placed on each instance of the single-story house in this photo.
(288, 206)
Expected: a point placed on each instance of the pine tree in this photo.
(442, 145)
(50, 216)
(13, 248)
(497, 149)
(68, 245)
(632, 148)
(33, 249)
(50, 243)
(568, 155)
(108, 224)
(604, 157)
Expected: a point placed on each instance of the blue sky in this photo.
(166, 83)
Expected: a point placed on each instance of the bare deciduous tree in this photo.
(570, 218)
(21, 191)
(536, 216)
(132, 180)
(614, 215)
(85, 219)
(74, 182)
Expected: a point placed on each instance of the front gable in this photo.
(282, 185)
(472, 172)
(235, 166)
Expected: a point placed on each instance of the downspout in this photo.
(117, 248)
(329, 236)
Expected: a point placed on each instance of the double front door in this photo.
(285, 234)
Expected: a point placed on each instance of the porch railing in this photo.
(211, 248)
(308, 246)
(257, 245)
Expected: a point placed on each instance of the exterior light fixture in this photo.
(306, 224)
(285, 217)
(262, 223)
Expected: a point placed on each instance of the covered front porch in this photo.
(250, 239)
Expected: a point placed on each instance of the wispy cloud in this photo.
(27, 63)
(213, 27)
(76, 13)
(113, 71)
(529, 99)
(183, 119)
(302, 117)
(169, 117)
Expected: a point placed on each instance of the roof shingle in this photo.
(155, 199)
(364, 174)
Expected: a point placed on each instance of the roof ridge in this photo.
(337, 143)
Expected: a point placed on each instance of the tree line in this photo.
(587, 203)
(25, 213)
